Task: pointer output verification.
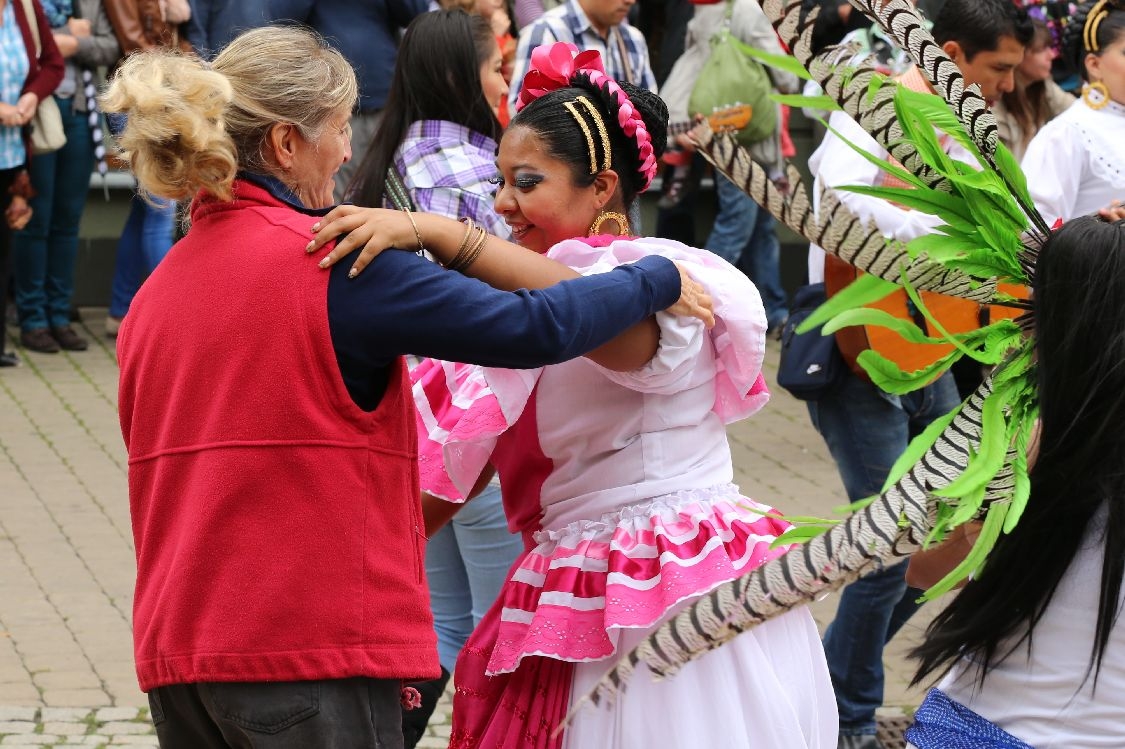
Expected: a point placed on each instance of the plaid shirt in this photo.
(567, 23)
(446, 167)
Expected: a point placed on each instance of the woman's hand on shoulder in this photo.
(373, 229)
(694, 300)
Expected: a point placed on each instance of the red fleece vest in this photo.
(277, 526)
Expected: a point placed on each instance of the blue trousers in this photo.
(744, 235)
(866, 431)
(466, 564)
(144, 242)
(44, 252)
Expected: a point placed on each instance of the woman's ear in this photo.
(1093, 67)
(605, 187)
(281, 144)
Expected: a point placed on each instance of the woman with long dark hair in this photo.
(620, 482)
(1036, 98)
(1035, 644)
(435, 151)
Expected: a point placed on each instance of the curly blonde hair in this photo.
(193, 126)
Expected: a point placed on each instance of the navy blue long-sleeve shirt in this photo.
(365, 32)
(405, 304)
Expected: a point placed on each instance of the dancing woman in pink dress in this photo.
(618, 474)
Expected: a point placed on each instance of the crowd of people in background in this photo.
(439, 111)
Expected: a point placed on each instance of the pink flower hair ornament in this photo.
(554, 66)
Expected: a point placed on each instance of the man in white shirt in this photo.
(865, 429)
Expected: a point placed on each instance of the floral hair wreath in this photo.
(555, 66)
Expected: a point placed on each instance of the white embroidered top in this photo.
(1075, 165)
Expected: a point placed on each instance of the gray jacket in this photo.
(100, 49)
(749, 25)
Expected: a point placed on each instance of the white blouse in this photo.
(1075, 165)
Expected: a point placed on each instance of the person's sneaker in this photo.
(863, 741)
(40, 340)
(68, 339)
(112, 325)
(775, 328)
(9, 359)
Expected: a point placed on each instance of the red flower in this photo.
(411, 698)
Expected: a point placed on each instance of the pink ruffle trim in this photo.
(627, 570)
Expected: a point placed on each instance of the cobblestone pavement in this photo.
(66, 550)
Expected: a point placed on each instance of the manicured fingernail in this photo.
(353, 273)
(309, 247)
(315, 227)
(323, 263)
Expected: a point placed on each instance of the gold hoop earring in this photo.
(620, 219)
(1100, 100)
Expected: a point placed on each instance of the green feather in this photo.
(864, 290)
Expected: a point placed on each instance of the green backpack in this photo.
(731, 79)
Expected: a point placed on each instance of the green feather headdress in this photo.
(970, 464)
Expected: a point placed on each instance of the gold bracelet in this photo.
(417, 234)
(463, 248)
(472, 250)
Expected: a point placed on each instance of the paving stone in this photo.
(107, 714)
(17, 726)
(71, 714)
(120, 727)
(66, 729)
(135, 741)
(38, 739)
(11, 712)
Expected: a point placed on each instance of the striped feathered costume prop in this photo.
(970, 464)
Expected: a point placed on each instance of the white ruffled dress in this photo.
(622, 486)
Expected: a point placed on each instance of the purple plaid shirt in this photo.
(446, 167)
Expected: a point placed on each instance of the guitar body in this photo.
(955, 315)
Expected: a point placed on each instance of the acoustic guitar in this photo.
(955, 315)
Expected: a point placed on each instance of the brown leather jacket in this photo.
(139, 24)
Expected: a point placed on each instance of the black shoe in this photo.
(775, 329)
(68, 339)
(40, 340)
(8, 359)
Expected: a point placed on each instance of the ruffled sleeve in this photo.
(738, 338)
(460, 415)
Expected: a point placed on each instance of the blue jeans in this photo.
(866, 431)
(44, 252)
(744, 235)
(466, 564)
(144, 242)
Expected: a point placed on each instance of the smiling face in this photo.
(537, 194)
(315, 162)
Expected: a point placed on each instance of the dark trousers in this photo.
(7, 177)
(356, 713)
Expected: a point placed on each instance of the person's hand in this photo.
(80, 27)
(67, 44)
(685, 143)
(27, 105)
(373, 229)
(1115, 211)
(694, 300)
(18, 213)
(9, 116)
